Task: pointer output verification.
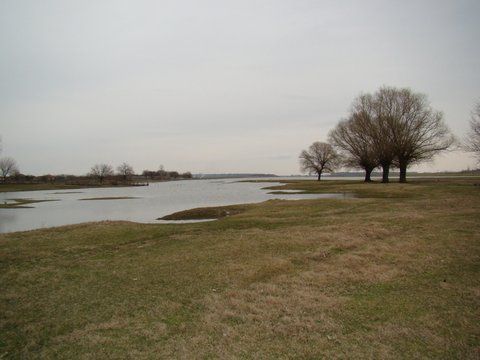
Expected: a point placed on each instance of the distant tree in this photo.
(17, 176)
(472, 142)
(352, 137)
(101, 171)
(125, 170)
(46, 178)
(161, 173)
(414, 130)
(148, 174)
(8, 166)
(318, 158)
(173, 174)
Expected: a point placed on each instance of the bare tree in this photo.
(352, 137)
(371, 124)
(381, 132)
(472, 142)
(391, 127)
(414, 130)
(101, 171)
(318, 158)
(125, 170)
(8, 166)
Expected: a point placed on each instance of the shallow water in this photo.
(149, 202)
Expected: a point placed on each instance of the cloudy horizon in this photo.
(219, 86)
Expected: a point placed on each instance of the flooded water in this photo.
(147, 203)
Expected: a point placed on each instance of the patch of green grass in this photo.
(391, 274)
(57, 186)
(33, 187)
(216, 212)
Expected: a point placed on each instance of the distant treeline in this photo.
(165, 175)
(100, 174)
(84, 180)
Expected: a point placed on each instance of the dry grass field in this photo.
(393, 273)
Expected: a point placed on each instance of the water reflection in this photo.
(145, 205)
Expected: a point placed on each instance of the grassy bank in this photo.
(55, 186)
(217, 212)
(393, 273)
(33, 187)
(21, 203)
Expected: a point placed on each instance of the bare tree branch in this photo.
(352, 137)
(125, 170)
(318, 158)
(472, 142)
(8, 166)
(101, 171)
(414, 130)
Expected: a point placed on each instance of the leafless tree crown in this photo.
(125, 170)
(101, 171)
(353, 136)
(391, 127)
(320, 157)
(8, 166)
(472, 142)
(417, 131)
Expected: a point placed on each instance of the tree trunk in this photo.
(385, 172)
(368, 174)
(403, 172)
(319, 176)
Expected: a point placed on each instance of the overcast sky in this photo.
(219, 86)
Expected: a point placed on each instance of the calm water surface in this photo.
(150, 203)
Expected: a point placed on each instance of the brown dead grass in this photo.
(356, 278)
